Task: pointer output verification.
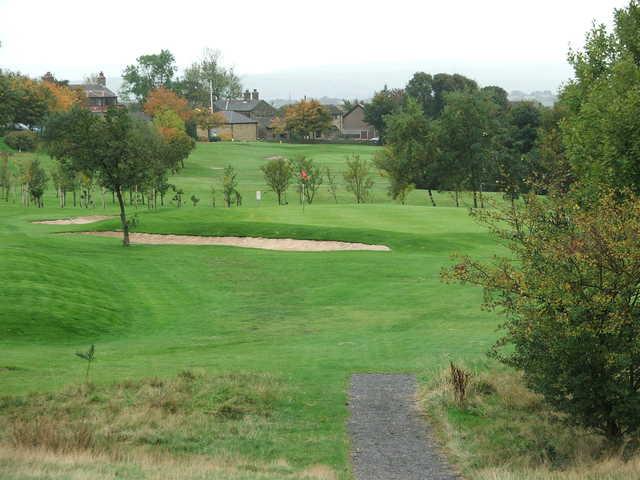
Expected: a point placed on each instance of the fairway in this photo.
(307, 319)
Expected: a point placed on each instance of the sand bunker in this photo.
(285, 244)
(76, 220)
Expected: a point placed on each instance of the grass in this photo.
(505, 432)
(304, 321)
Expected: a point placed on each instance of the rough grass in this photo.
(506, 432)
(130, 425)
(28, 463)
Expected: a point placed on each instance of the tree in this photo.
(209, 73)
(358, 178)
(161, 99)
(465, 133)
(230, 186)
(307, 118)
(151, 71)
(177, 143)
(277, 174)
(34, 181)
(420, 88)
(601, 131)
(444, 83)
(29, 101)
(332, 183)
(516, 140)
(5, 176)
(61, 97)
(568, 292)
(307, 175)
(385, 102)
(116, 149)
(409, 158)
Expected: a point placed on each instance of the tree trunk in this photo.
(433, 202)
(123, 218)
(457, 199)
(475, 199)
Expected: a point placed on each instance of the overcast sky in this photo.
(338, 48)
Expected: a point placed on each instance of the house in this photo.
(99, 97)
(336, 117)
(237, 127)
(354, 126)
(252, 107)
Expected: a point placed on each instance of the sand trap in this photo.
(284, 244)
(76, 220)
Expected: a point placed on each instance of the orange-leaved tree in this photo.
(307, 118)
(162, 99)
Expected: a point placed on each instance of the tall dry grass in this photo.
(178, 428)
(504, 431)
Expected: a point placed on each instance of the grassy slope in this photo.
(310, 319)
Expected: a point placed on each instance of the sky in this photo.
(341, 48)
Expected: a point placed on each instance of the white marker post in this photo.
(258, 196)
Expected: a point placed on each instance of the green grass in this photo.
(308, 320)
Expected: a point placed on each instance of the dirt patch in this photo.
(276, 157)
(76, 220)
(285, 244)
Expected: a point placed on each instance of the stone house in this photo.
(354, 126)
(252, 107)
(237, 127)
(99, 97)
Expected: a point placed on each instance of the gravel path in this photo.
(390, 440)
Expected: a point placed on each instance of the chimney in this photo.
(102, 80)
(255, 95)
(247, 95)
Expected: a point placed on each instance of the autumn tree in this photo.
(116, 149)
(358, 178)
(277, 174)
(161, 99)
(61, 97)
(307, 118)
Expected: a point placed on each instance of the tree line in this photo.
(444, 132)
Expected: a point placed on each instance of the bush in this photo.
(569, 293)
(24, 141)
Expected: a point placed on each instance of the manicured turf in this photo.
(308, 319)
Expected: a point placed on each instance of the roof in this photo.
(237, 105)
(353, 109)
(235, 118)
(94, 90)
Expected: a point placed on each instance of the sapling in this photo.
(89, 356)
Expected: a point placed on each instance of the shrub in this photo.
(277, 174)
(358, 178)
(23, 141)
